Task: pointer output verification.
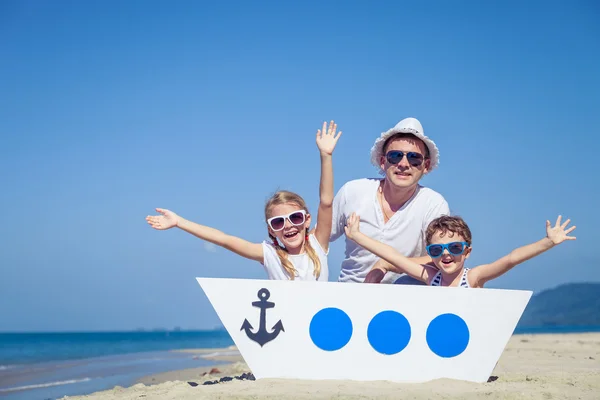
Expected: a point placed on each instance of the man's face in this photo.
(403, 174)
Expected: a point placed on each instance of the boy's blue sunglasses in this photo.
(455, 248)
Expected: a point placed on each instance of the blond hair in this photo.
(284, 197)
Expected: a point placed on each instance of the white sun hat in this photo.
(407, 125)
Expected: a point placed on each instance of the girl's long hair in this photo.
(283, 197)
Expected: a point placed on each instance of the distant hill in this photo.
(572, 304)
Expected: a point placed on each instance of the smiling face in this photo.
(449, 263)
(447, 229)
(403, 174)
(291, 236)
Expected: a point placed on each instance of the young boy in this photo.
(449, 245)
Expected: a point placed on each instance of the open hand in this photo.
(327, 139)
(557, 233)
(352, 226)
(166, 220)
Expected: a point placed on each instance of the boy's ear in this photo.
(468, 252)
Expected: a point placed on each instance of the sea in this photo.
(48, 366)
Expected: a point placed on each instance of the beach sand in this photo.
(558, 366)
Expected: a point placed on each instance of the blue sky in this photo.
(110, 109)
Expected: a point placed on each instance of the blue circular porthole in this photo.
(389, 332)
(448, 335)
(330, 329)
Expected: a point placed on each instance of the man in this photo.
(395, 210)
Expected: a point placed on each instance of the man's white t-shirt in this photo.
(304, 266)
(405, 231)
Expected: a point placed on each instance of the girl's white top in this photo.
(302, 263)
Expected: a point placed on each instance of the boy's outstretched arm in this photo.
(388, 253)
(326, 141)
(554, 235)
(168, 219)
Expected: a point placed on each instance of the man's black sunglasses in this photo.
(395, 156)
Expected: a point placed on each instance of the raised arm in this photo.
(168, 219)
(554, 235)
(388, 253)
(326, 141)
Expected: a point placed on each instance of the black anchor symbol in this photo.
(262, 336)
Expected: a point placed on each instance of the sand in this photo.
(564, 366)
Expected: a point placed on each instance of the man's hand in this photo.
(375, 275)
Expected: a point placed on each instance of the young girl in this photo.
(449, 245)
(294, 252)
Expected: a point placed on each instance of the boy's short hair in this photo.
(448, 224)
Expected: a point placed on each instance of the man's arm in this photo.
(381, 267)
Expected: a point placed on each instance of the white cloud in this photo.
(208, 246)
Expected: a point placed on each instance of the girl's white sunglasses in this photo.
(278, 222)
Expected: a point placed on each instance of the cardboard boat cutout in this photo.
(332, 330)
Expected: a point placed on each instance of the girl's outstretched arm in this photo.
(388, 253)
(554, 235)
(326, 141)
(168, 219)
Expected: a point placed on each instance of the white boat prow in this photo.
(331, 330)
